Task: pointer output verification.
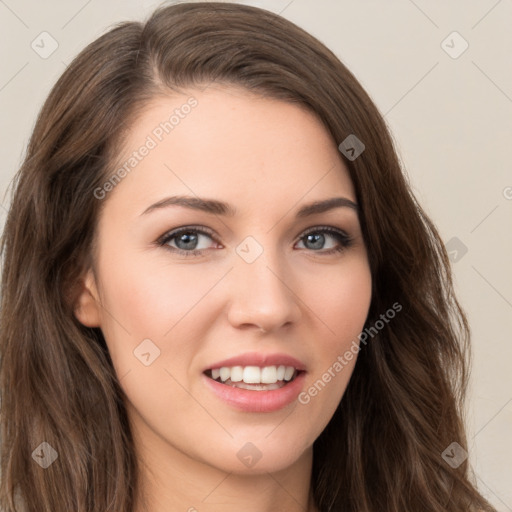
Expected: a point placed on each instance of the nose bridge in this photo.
(261, 291)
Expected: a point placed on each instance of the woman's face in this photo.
(247, 282)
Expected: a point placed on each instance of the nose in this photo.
(262, 295)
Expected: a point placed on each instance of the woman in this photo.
(219, 292)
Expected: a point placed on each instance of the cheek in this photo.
(147, 299)
(342, 306)
(151, 326)
(151, 298)
(342, 302)
(177, 305)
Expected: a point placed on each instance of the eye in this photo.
(186, 241)
(316, 238)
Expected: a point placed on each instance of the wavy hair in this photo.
(382, 449)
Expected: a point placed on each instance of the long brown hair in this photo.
(382, 450)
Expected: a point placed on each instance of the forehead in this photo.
(227, 143)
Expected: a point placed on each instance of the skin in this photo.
(266, 158)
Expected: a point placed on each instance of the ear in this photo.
(87, 305)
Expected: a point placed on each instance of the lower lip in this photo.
(258, 401)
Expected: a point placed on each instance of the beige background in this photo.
(451, 119)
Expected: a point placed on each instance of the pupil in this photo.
(318, 237)
(188, 239)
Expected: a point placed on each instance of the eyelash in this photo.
(344, 240)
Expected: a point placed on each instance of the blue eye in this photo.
(317, 236)
(187, 239)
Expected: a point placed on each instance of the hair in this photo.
(404, 404)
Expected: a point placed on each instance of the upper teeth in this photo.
(254, 374)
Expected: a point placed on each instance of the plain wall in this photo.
(451, 118)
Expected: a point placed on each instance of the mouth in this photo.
(254, 378)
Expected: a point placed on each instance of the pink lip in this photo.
(257, 401)
(259, 359)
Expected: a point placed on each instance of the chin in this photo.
(263, 453)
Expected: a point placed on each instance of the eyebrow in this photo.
(220, 208)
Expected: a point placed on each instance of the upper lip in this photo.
(259, 359)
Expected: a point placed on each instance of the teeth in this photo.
(269, 374)
(288, 373)
(254, 374)
(237, 373)
(224, 373)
